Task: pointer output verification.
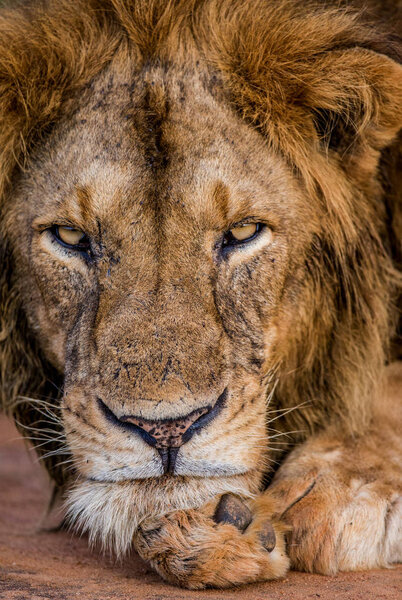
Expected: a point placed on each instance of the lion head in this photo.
(195, 241)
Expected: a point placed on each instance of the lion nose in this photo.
(167, 435)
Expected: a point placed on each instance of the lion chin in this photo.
(112, 512)
(200, 224)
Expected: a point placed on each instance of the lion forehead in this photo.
(159, 133)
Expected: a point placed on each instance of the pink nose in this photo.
(168, 433)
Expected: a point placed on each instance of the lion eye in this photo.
(242, 233)
(71, 237)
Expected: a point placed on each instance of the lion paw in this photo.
(223, 544)
(338, 520)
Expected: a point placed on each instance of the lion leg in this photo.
(225, 543)
(342, 497)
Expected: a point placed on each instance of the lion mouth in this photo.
(168, 457)
(183, 469)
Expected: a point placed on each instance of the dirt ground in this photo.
(38, 565)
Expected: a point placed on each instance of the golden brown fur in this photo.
(154, 126)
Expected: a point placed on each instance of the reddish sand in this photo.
(37, 565)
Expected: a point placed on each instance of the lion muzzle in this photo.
(167, 435)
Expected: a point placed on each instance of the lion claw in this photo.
(233, 511)
(267, 536)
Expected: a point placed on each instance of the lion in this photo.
(200, 242)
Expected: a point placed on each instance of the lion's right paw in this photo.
(221, 545)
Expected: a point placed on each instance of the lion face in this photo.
(164, 325)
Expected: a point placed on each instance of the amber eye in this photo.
(242, 233)
(70, 237)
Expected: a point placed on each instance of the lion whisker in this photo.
(285, 411)
(286, 433)
(56, 452)
(39, 430)
(44, 443)
(37, 400)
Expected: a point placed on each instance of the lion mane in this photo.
(321, 85)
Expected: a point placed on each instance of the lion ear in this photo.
(331, 87)
(355, 102)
